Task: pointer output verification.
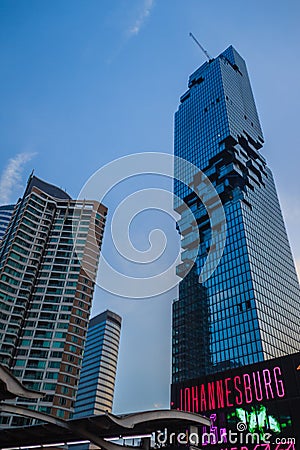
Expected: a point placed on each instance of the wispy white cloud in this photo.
(291, 207)
(12, 175)
(144, 13)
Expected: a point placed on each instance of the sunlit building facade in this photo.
(251, 302)
(48, 263)
(99, 367)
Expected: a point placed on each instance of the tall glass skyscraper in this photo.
(248, 309)
(48, 263)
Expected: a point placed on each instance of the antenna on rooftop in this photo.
(202, 48)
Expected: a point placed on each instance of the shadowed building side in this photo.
(6, 212)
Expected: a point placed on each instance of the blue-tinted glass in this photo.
(248, 310)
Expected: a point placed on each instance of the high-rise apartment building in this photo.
(248, 309)
(97, 377)
(5, 215)
(48, 263)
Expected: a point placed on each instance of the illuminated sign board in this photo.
(262, 398)
(233, 391)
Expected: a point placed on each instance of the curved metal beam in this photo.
(130, 420)
(14, 388)
(127, 422)
(21, 411)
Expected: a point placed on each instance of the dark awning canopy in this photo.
(97, 428)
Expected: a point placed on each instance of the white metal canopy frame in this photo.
(10, 387)
(95, 429)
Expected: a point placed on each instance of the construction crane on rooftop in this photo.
(202, 48)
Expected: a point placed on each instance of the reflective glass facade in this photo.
(46, 290)
(248, 310)
(99, 366)
(5, 215)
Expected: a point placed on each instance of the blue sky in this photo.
(85, 82)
